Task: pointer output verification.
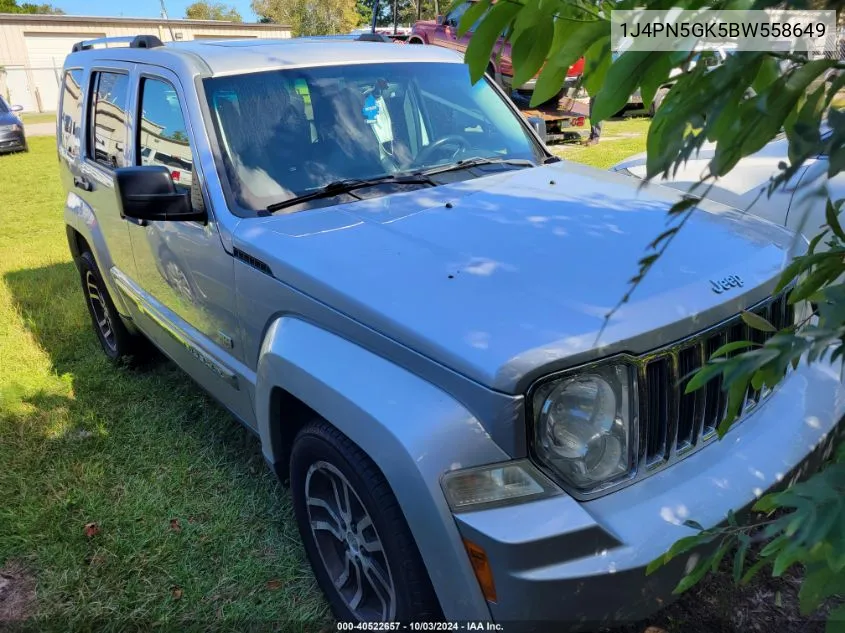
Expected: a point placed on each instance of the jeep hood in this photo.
(509, 276)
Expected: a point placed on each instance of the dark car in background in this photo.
(12, 137)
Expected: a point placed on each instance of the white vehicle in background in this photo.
(745, 187)
(636, 100)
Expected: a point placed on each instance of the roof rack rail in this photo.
(374, 37)
(133, 41)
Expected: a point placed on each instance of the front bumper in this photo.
(12, 141)
(583, 564)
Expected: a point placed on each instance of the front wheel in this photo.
(355, 534)
(116, 340)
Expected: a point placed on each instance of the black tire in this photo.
(658, 101)
(116, 340)
(318, 447)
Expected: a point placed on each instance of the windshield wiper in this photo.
(339, 187)
(474, 162)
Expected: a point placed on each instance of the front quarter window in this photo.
(286, 133)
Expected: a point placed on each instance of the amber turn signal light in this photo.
(481, 567)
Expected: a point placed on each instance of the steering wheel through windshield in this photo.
(441, 145)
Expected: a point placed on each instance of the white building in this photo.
(33, 47)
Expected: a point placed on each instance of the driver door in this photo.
(184, 284)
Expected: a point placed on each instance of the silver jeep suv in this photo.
(381, 271)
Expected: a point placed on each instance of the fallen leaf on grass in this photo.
(175, 525)
(176, 592)
(272, 585)
(91, 529)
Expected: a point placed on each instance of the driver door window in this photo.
(163, 137)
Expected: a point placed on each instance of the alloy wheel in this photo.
(349, 544)
(100, 311)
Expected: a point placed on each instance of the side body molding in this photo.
(413, 431)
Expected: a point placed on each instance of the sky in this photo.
(141, 8)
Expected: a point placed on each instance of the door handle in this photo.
(81, 183)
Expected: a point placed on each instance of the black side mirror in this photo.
(148, 193)
(439, 20)
(539, 125)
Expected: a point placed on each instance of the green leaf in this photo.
(832, 219)
(736, 399)
(717, 558)
(836, 620)
(485, 37)
(656, 564)
(702, 376)
(622, 80)
(655, 78)
(727, 348)
(817, 585)
(739, 557)
(815, 241)
(756, 322)
(694, 576)
(687, 543)
(787, 557)
(597, 61)
(763, 116)
(766, 75)
(752, 571)
(549, 83)
(529, 51)
(472, 14)
(572, 38)
(695, 525)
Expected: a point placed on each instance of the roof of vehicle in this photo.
(231, 56)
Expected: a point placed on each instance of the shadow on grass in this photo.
(51, 303)
(191, 525)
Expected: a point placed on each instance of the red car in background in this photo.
(444, 32)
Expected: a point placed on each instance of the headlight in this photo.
(583, 429)
(11, 128)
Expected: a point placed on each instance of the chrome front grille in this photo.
(673, 423)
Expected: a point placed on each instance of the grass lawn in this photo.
(620, 138)
(38, 117)
(191, 527)
(129, 499)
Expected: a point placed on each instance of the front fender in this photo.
(413, 431)
(81, 218)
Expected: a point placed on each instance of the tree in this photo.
(310, 17)
(740, 105)
(407, 10)
(11, 6)
(212, 11)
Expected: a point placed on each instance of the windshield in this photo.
(3, 107)
(286, 133)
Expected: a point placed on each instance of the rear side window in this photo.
(108, 133)
(163, 137)
(71, 117)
